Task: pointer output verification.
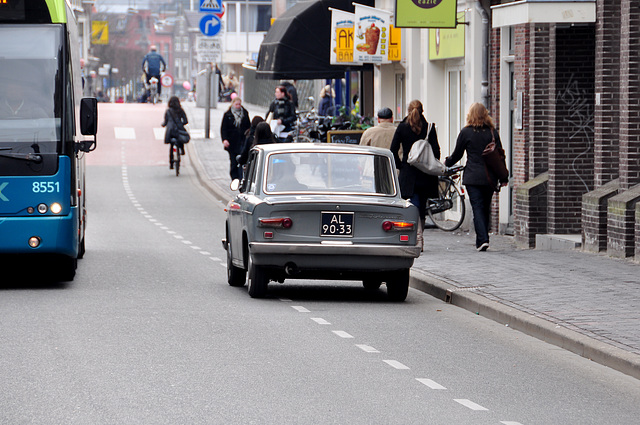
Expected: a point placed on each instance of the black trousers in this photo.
(480, 198)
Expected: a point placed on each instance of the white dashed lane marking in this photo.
(320, 321)
(396, 364)
(367, 349)
(431, 384)
(342, 334)
(469, 404)
(300, 309)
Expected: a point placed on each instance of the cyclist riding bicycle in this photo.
(174, 118)
(153, 65)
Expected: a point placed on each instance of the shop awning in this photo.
(543, 11)
(297, 45)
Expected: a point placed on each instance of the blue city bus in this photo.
(43, 121)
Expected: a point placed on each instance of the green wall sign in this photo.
(447, 43)
(426, 13)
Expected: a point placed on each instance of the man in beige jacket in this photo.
(381, 135)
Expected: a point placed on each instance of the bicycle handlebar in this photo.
(453, 170)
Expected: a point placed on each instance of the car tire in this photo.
(258, 280)
(371, 284)
(398, 285)
(235, 275)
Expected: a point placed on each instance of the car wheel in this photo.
(258, 280)
(398, 285)
(235, 275)
(371, 284)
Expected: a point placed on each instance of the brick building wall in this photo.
(630, 94)
(572, 78)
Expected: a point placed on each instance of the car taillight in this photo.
(388, 226)
(281, 222)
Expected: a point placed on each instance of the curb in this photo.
(597, 351)
(584, 346)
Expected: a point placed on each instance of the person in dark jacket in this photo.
(326, 107)
(248, 140)
(153, 65)
(235, 122)
(473, 138)
(415, 185)
(174, 118)
(282, 109)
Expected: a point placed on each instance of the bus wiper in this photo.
(24, 156)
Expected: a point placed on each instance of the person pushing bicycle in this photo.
(153, 65)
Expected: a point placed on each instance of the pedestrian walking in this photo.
(248, 140)
(473, 138)
(381, 135)
(326, 106)
(415, 185)
(235, 122)
(282, 111)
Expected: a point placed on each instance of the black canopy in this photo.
(298, 43)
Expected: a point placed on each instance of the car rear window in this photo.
(324, 172)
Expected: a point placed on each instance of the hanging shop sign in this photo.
(447, 43)
(425, 13)
(342, 24)
(395, 43)
(371, 38)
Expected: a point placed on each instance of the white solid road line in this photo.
(470, 404)
(128, 133)
(431, 384)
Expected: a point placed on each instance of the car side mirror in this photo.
(235, 185)
(88, 123)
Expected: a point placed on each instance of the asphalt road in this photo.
(149, 332)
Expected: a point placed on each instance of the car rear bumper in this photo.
(338, 257)
(270, 248)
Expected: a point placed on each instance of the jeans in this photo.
(421, 203)
(480, 198)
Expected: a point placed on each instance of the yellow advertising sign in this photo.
(99, 32)
(447, 43)
(395, 43)
(344, 45)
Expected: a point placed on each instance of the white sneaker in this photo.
(483, 247)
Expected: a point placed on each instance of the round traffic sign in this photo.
(210, 25)
(166, 80)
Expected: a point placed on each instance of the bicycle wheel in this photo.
(447, 212)
(176, 164)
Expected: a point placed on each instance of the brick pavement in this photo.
(586, 303)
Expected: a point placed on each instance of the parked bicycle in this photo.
(448, 210)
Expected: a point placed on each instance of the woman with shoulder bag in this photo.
(477, 178)
(174, 120)
(235, 122)
(415, 185)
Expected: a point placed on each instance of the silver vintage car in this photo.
(320, 211)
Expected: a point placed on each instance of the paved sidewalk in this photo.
(586, 303)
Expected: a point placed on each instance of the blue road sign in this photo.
(210, 25)
(211, 6)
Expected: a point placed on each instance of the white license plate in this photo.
(337, 224)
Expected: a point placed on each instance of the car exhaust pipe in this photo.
(291, 269)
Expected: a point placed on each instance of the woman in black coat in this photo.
(473, 138)
(282, 109)
(174, 118)
(415, 185)
(235, 122)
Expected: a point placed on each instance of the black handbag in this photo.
(181, 133)
(495, 161)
